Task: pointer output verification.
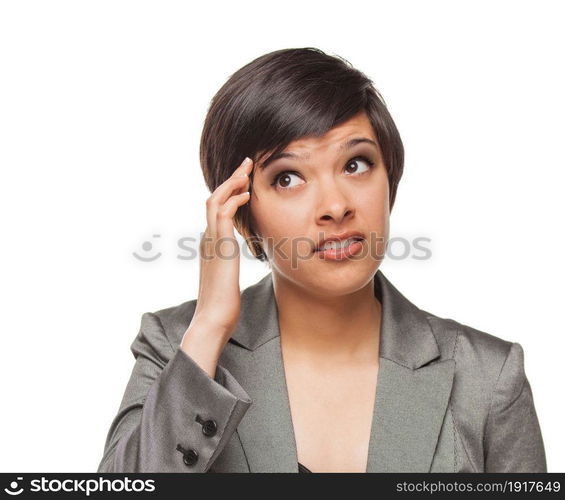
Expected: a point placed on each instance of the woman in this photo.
(323, 365)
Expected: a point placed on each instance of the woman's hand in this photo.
(218, 305)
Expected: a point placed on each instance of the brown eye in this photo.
(283, 180)
(354, 162)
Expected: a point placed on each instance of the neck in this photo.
(345, 327)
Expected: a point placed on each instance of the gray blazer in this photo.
(449, 398)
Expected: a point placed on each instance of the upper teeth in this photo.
(334, 245)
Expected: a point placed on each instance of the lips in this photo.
(340, 237)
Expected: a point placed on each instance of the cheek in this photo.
(373, 207)
(281, 224)
(274, 219)
(373, 202)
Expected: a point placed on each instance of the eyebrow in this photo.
(344, 146)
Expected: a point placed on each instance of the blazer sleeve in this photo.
(173, 416)
(513, 439)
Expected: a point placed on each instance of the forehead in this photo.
(359, 125)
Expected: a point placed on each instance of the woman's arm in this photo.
(164, 408)
(513, 439)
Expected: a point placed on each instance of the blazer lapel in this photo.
(411, 395)
(266, 431)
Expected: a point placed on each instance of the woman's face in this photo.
(321, 190)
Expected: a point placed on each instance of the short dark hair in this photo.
(283, 96)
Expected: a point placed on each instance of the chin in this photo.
(335, 280)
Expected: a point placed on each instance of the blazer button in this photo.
(209, 428)
(190, 457)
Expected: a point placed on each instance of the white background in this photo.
(101, 109)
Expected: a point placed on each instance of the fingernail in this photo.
(246, 161)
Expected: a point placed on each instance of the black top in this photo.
(301, 468)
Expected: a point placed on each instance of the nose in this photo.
(334, 206)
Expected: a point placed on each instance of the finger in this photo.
(230, 187)
(233, 185)
(226, 213)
